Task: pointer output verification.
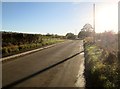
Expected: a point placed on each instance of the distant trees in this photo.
(70, 36)
(86, 31)
(54, 36)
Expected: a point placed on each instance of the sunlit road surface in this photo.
(59, 66)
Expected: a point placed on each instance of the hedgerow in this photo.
(102, 67)
(13, 43)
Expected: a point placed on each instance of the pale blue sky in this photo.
(46, 17)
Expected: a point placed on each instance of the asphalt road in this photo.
(58, 66)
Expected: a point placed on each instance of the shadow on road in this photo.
(41, 71)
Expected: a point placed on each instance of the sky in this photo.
(57, 17)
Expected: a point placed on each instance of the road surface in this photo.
(58, 66)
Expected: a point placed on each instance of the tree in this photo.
(86, 31)
(70, 36)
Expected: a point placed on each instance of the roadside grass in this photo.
(15, 49)
(101, 67)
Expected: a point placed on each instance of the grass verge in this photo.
(15, 49)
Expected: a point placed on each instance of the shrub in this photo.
(21, 47)
(5, 50)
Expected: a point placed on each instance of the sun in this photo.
(106, 18)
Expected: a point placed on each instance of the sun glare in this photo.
(106, 18)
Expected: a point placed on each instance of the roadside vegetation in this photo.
(70, 36)
(102, 65)
(13, 43)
